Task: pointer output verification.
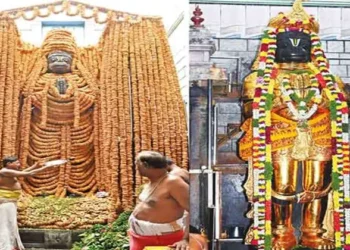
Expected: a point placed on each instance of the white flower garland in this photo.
(300, 112)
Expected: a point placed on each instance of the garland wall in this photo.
(140, 105)
(9, 86)
(137, 105)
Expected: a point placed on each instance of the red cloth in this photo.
(139, 242)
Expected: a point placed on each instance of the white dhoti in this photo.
(9, 235)
(141, 227)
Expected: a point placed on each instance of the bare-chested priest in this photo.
(157, 219)
(10, 191)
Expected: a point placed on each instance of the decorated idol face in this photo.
(293, 46)
(59, 62)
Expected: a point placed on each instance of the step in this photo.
(49, 239)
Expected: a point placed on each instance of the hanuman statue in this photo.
(62, 94)
(297, 118)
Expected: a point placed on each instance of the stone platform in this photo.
(43, 239)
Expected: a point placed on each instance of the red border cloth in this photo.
(139, 242)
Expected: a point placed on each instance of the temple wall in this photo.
(236, 30)
(86, 32)
(337, 51)
(248, 21)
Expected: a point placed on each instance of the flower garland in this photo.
(262, 166)
(9, 89)
(177, 126)
(105, 134)
(127, 132)
(262, 154)
(340, 145)
(138, 96)
(288, 94)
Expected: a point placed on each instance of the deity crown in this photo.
(298, 18)
(59, 40)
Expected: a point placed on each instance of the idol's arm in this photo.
(248, 94)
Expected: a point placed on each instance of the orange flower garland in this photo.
(123, 97)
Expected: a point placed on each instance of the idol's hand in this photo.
(306, 197)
